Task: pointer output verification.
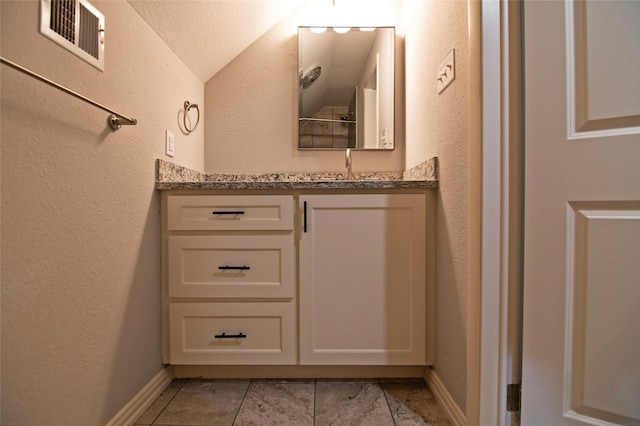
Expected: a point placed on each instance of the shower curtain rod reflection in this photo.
(327, 120)
(116, 120)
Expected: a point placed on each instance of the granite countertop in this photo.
(173, 176)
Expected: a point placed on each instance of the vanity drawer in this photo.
(230, 212)
(232, 266)
(263, 333)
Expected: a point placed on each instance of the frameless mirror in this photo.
(346, 88)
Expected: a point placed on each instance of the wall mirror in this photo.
(346, 79)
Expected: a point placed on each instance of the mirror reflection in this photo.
(346, 88)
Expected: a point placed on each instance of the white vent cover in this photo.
(75, 25)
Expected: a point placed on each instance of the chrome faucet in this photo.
(348, 162)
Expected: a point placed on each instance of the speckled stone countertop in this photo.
(173, 176)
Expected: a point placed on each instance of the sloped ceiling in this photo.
(207, 34)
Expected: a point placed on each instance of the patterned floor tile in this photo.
(351, 404)
(277, 403)
(204, 403)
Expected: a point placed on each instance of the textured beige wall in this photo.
(251, 116)
(437, 125)
(80, 217)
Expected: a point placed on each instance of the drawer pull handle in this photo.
(228, 212)
(305, 217)
(240, 335)
(240, 268)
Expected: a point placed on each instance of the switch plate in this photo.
(170, 146)
(446, 72)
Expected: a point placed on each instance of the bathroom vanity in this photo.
(297, 273)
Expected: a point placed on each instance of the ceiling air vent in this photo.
(75, 25)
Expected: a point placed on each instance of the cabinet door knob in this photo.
(228, 212)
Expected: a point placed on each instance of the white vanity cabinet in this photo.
(297, 278)
(363, 280)
(229, 279)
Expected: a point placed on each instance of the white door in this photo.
(581, 314)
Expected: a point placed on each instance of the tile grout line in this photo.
(170, 399)
(241, 402)
(384, 392)
(315, 392)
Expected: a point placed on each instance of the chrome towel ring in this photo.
(187, 107)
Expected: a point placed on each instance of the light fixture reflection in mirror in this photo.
(346, 88)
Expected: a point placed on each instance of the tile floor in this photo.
(191, 402)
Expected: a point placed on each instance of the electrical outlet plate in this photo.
(170, 146)
(446, 72)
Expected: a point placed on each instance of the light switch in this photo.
(446, 72)
(170, 146)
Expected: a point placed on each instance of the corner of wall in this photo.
(475, 212)
(445, 399)
(437, 125)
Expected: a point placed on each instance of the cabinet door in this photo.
(362, 279)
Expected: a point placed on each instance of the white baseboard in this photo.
(143, 399)
(445, 399)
